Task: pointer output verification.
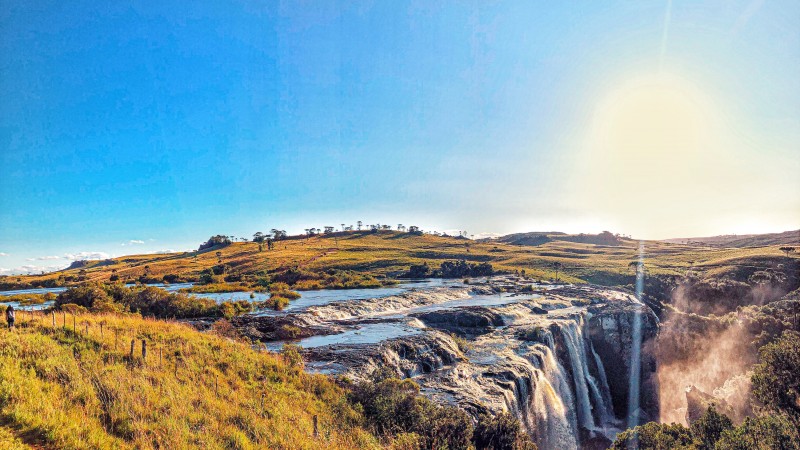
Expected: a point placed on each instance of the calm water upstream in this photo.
(307, 298)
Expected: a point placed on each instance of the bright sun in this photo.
(655, 123)
(653, 141)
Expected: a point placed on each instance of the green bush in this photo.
(501, 432)
(776, 379)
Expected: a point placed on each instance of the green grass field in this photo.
(389, 253)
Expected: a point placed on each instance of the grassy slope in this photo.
(392, 252)
(59, 389)
(745, 240)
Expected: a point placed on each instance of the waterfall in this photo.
(636, 346)
(551, 403)
(592, 402)
(605, 389)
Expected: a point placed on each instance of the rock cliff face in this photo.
(559, 361)
(610, 331)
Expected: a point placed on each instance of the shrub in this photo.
(771, 431)
(85, 295)
(707, 429)
(288, 332)
(392, 406)
(654, 435)
(776, 379)
(277, 302)
(171, 278)
(278, 287)
(291, 354)
(501, 432)
(214, 241)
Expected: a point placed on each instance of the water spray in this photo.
(636, 346)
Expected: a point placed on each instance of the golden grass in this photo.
(390, 253)
(65, 389)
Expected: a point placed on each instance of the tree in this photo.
(359, 225)
(500, 432)
(328, 230)
(776, 379)
(259, 237)
(654, 435)
(343, 227)
(219, 257)
(214, 241)
(768, 431)
(787, 250)
(557, 266)
(709, 427)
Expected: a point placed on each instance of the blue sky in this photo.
(157, 124)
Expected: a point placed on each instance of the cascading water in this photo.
(593, 404)
(551, 402)
(604, 387)
(636, 346)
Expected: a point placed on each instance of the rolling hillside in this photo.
(743, 240)
(79, 386)
(389, 254)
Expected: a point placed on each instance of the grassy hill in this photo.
(390, 253)
(743, 240)
(61, 388)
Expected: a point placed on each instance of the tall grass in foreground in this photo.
(65, 387)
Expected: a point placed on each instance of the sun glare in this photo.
(653, 140)
(654, 123)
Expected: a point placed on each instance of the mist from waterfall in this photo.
(636, 346)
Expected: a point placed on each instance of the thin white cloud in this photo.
(133, 242)
(28, 269)
(45, 258)
(86, 256)
(3, 254)
(164, 252)
(487, 235)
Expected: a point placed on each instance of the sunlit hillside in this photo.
(77, 386)
(389, 253)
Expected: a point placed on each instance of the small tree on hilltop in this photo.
(787, 250)
(557, 266)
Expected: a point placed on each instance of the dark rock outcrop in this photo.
(465, 322)
(610, 330)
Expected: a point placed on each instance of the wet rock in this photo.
(610, 330)
(275, 328)
(698, 402)
(466, 322)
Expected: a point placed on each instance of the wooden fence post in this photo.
(144, 350)
(160, 356)
(74, 323)
(133, 343)
(86, 328)
(316, 428)
(101, 331)
(64, 316)
(54, 319)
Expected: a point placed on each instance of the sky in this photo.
(132, 127)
